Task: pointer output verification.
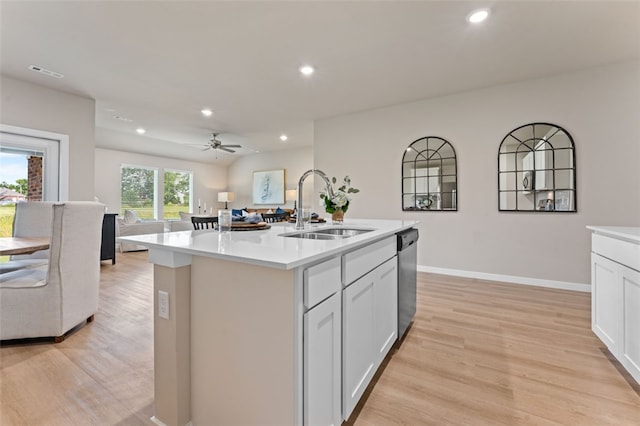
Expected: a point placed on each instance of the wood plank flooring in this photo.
(478, 353)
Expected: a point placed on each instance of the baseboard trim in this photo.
(155, 420)
(560, 285)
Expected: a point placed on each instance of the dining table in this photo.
(23, 245)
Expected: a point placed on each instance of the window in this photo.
(138, 191)
(33, 167)
(429, 176)
(178, 190)
(140, 187)
(49, 164)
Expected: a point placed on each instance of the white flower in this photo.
(339, 200)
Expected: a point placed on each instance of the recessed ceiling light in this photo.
(141, 131)
(478, 16)
(283, 138)
(206, 112)
(45, 71)
(307, 70)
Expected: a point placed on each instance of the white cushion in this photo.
(23, 278)
(14, 265)
(185, 217)
(130, 216)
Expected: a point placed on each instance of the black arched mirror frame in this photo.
(429, 176)
(537, 170)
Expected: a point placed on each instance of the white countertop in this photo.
(629, 233)
(268, 247)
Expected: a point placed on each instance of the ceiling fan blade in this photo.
(232, 146)
(224, 148)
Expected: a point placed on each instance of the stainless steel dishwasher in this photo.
(407, 277)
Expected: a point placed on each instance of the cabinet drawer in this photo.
(321, 281)
(358, 262)
(623, 252)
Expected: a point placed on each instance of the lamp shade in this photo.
(224, 197)
(292, 194)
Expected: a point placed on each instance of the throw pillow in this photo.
(279, 210)
(236, 212)
(130, 216)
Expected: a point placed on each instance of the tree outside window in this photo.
(141, 188)
(137, 186)
(177, 193)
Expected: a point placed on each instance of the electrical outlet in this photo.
(163, 304)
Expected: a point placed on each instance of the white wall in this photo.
(294, 161)
(36, 107)
(208, 179)
(599, 107)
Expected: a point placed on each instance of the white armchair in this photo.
(50, 300)
(130, 224)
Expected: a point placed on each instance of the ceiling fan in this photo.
(215, 143)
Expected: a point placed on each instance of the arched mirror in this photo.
(536, 170)
(429, 176)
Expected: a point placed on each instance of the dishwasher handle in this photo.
(407, 238)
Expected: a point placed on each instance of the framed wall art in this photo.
(268, 187)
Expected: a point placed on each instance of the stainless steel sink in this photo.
(314, 236)
(328, 233)
(344, 232)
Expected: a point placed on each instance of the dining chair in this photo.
(31, 219)
(275, 217)
(50, 300)
(200, 222)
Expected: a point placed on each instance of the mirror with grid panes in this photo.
(429, 176)
(536, 170)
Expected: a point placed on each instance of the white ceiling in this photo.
(160, 63)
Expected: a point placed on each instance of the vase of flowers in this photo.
(338, 203)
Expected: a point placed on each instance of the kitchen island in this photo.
(265, 328)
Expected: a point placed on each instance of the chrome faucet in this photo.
(327, 182)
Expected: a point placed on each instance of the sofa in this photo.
(184, 224)
(130, 224)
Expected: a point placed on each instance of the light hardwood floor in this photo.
(478, 353)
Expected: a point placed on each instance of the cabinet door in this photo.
(631, 321)
(386, 307)
(322, 363)
(358, 344)
(606, 302)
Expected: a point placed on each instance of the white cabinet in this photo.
(386, 309)
(350, 324)
(370, 315)
(605, 300)
(359, 352)
(630, 353)
(322, 363)
(615, 293)
(322, 344)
